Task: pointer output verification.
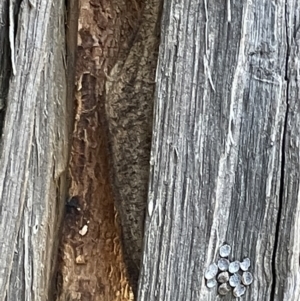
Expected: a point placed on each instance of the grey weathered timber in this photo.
(287, 260)
(225, 149)
(34, 149)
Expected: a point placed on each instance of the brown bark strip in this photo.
(129, 112)
(92, 265)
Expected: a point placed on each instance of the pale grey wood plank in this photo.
(217, 146)
(34, 153)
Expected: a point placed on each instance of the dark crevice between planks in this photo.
(71, 28)
(282, 176)
(5, 62)
(5, 54)
(16, 10)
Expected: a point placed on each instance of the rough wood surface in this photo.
(34, 147)
(287, 260)
(129, 114)
(92, 265)
(225, 149)
(5, 67)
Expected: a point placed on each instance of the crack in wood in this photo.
(282, 180)
(12, 35)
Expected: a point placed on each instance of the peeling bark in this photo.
(117, 49)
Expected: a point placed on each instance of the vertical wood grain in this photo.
(34, 151)
(221, 117)
(287, 256)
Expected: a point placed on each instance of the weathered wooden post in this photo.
(225, 149)
(224, 164)
(34, 144)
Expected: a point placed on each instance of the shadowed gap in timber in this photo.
(282, 176)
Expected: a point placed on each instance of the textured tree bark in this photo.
(129, 113)
(225, 149)
(34, 145)
(115, 72)
(91, 263)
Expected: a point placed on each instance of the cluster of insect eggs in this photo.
(229, 275)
